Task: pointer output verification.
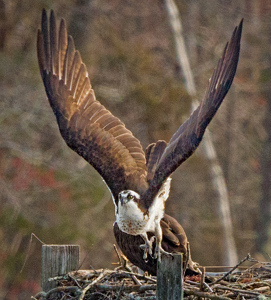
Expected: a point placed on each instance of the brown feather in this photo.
(87, 127)
(153, 154)
(62, 48)
(53, 44)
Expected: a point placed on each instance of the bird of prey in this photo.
(174, 241)
(139, 182)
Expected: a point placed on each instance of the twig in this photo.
(81, 264)
(120, 290)
(222, 287)
(141, 276)
(135, 280)
(43, 295)
(101, 287)
(130, 274)
(28, 249)
(93, 269)
(208, 287)
(228, 273)
(127, 288)
(123, 261)
(61, 277)
(204, 295)
(127, 273)
(91, 284)
(198, 284)
(187, 257)
(100, 294)
(123, 264)
(229, 295)
(117, 252)
(75, 280)
(145, 298)
(202, 278)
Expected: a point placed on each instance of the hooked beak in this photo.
(121, 200)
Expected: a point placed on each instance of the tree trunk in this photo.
(263, 244)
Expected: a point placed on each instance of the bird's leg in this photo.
(159, 236)
(147, 246)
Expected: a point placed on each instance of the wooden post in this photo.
(170, 277)
(58, 260)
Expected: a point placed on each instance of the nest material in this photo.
(253, 282)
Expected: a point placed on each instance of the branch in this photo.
(204, 295)
(228, 273)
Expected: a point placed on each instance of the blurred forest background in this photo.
(129, 50)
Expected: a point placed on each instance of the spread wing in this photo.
(187, 138)
(87, 127)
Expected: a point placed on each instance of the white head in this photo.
(127, 195)
(129, 216)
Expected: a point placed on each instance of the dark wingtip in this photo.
(241, 23)
(62, 23)
(44, 13)
(52, 14)
(240, 27)
(44, 19)
(238, 30)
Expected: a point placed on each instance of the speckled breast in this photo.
(134, 227)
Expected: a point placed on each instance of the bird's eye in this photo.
(130, 197)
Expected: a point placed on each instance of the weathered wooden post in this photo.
(170, 277)
(58, 260)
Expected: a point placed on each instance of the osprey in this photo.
(139, 182)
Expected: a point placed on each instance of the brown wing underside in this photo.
(187, 138)
(87, 127)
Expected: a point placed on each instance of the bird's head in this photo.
(127, 196)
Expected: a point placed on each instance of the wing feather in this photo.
(153, 154)
(187, 138)
(53, 44)
(85, 124)
(62, 48)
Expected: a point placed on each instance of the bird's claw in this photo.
(147, 247)
(152, 239)
(158, 251)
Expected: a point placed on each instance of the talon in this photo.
(145, 255)
(159, 251)
(147, 247)
(144, 247)
(152, 239)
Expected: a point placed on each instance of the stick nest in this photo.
(254, 282)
